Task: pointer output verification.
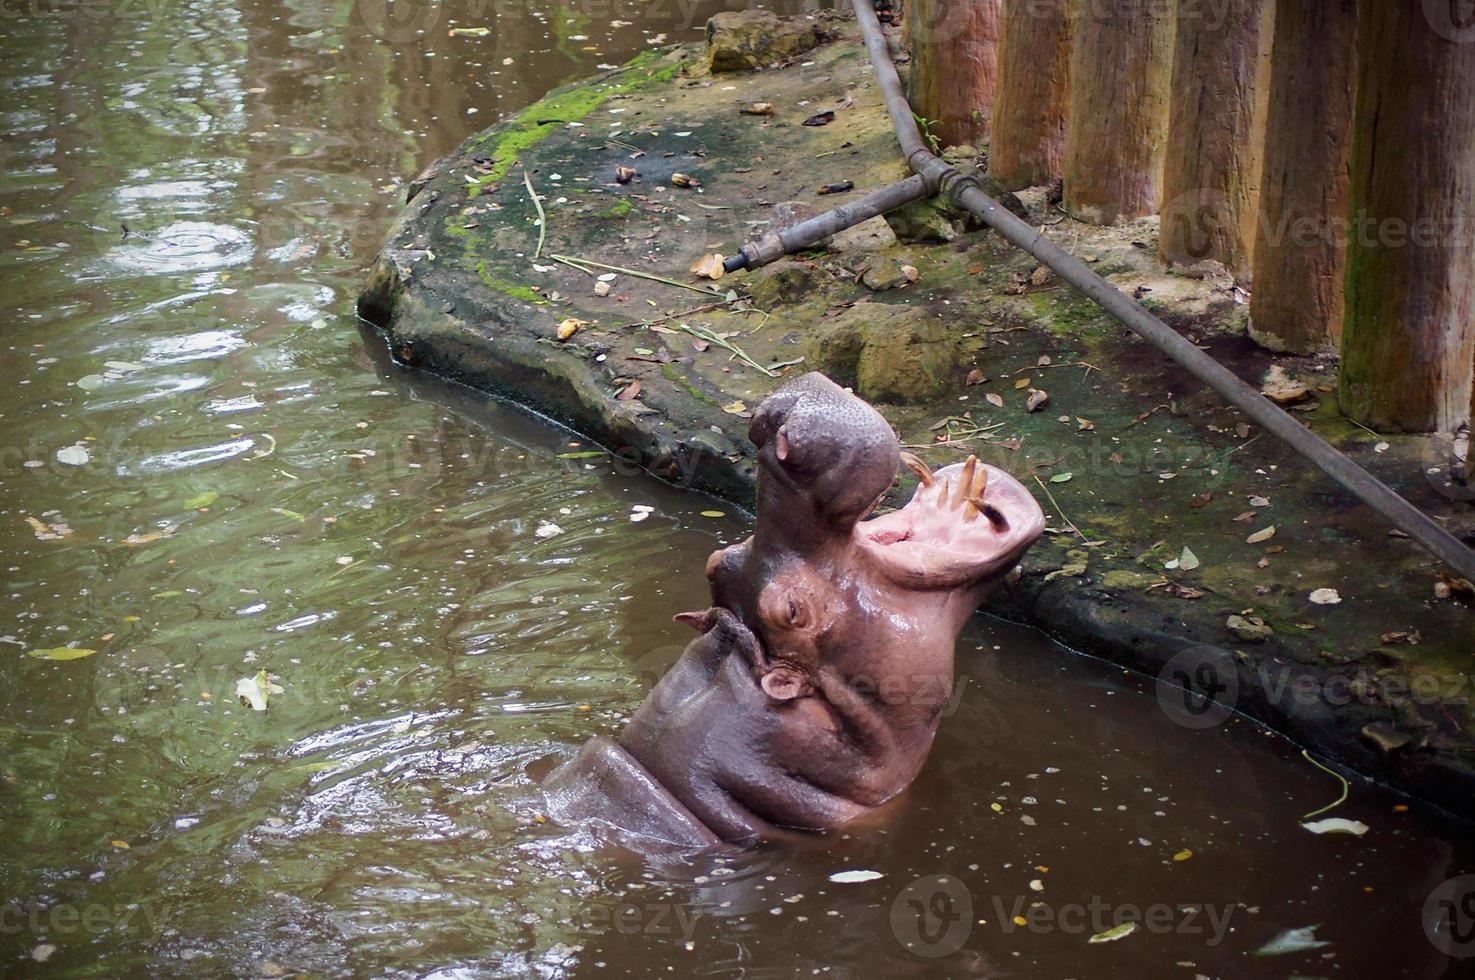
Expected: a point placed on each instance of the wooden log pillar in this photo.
(1120, 66)
(1409, 339)
(1027, 136)
(1216, 121)
(955, 52)
(1301, 238)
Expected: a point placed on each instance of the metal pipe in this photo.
(966, 193)
(776, 244)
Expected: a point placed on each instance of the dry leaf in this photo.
(995, 400)
(685, 180)
(1084, 425)
(735, 408)
(1411, 638)
(571, 326)
(630, 393)
(1260, 537)
(1201, 500)
(910, 271)
(1326, 597)
(623, 175)
(975, 377)
(1023, 383)
(709, 266)
(757, 109)
(1037, 400)
(1245, 518)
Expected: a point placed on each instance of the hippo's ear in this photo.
(783, 684)
(700, 621)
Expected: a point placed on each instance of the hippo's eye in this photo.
(798, 614)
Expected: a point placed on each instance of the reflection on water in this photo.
(209, 473)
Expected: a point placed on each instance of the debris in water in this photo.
(1293, 941)
(1337, 825)
(854, 877)
(1114, 933)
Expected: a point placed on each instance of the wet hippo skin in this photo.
(816, 685)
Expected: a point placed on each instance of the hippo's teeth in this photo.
(918, 467)
(980, 484)
(965, 482)
(970, 510)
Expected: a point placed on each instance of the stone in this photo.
(1385, 738)
(784, 281)
(739, 40)
(1249, 630)
(888, 353)
(885, 273)
(787, 214)
(869, 236)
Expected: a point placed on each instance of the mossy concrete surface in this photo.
(1135, 460)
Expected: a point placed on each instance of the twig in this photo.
(1044, 367)
(1335, 803)
(702, 333)
(542, 218)
(577, 263)
(677, 315)
(1234, 449)
(1056, 505)
(1144, 417)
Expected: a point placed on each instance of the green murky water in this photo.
(210, 472)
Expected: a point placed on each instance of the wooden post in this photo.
(1120, 63)
(1301, 238)
(955, 50)
(1027, 138)
(1216, 122)
(1409, 340)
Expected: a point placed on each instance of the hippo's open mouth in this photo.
(965, 522)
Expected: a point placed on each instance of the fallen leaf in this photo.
(1023, 383)
(254, 692)
(48, 532)
(61, 653)
(713, 513)
(76, 455)
(630, 393)
(1114, 933)
(685, 180)
(1037, 400)
(203, 500)
(1337, 825)
(1326, 597)
(1201, 500)
(547, 530)
(1084, 425)
(623, 175)
(1183, 855)
(709, 266)
(735, 408)
(757, 109)
(910, 271)
(1188, 561)
(1061, 477)
(149, 537)
(854, 877)
(1260, 537)
(1259, 501)
(121, 845)
(820, 118)
(567, 328)
(1409, 637)
(975, 377)
(1292, 941)
(583, 454)
(1245, 517)
(995, 400)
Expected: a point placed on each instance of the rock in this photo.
(738, 40)
(888, 353)
(928, 222)
(868, 236)
(784, 281)
(787, 214)
(1385, 738)
(1249, 630)
(886, 273)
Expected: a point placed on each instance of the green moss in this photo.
(669, 372)
(620, 209)
(496, 282)
(569, 104)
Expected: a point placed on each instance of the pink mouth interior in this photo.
(937, 540)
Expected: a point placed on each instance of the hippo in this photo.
(815, 686)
